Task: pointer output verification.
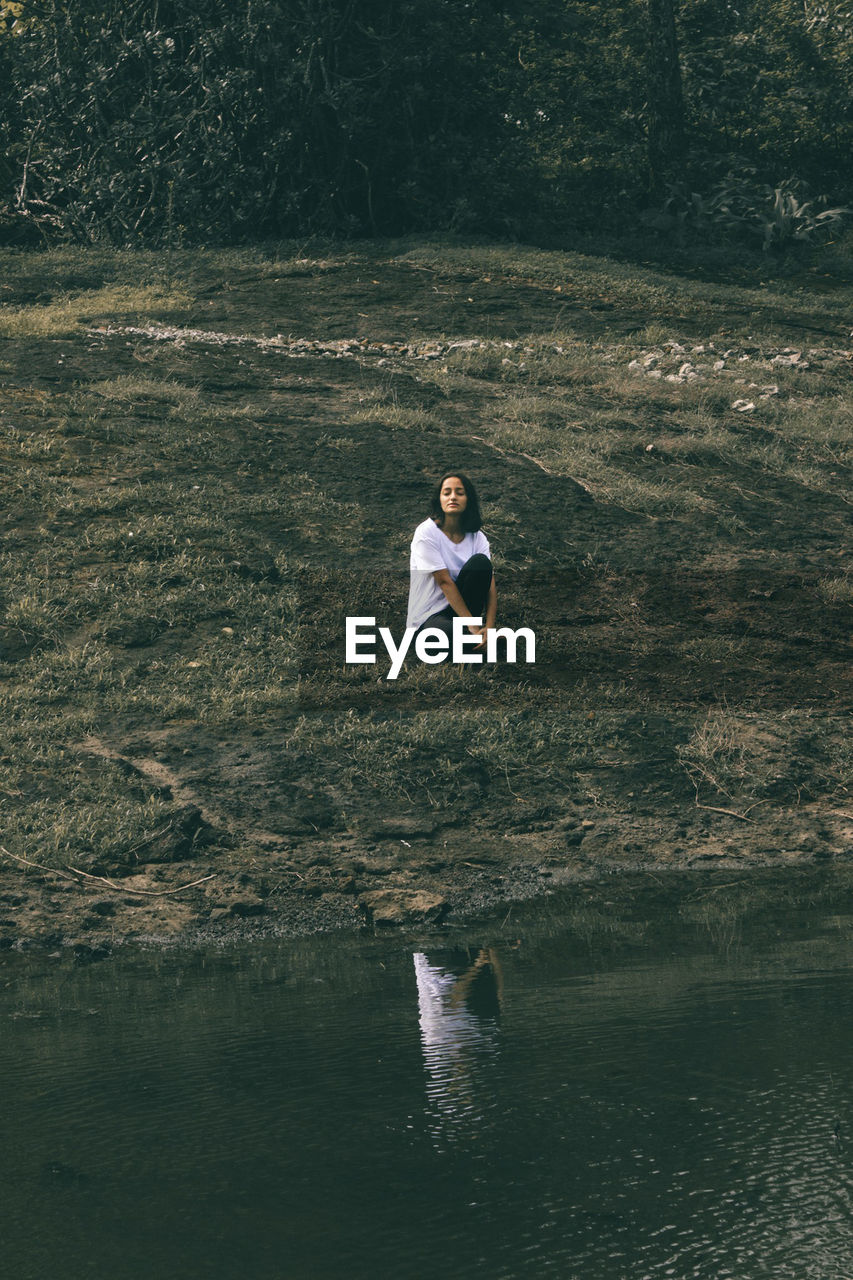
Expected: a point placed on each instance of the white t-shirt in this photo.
(433, 550)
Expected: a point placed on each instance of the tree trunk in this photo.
(665, 97)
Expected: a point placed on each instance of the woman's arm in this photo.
(460, 608)
(491, 614)
(452, 592)
(492, 604)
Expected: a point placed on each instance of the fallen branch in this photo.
(39, 866)
(508, 784)
(149, 893)
(729, 812)
(111, 884)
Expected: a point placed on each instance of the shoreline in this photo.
(46, 911)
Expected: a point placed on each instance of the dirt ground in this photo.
(647, 626)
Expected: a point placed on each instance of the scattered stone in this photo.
(666, 361)
(295, 348)
(388, 908)
(790, 359)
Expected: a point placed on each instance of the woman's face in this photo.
(453, 497)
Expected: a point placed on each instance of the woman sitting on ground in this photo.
(450, 568)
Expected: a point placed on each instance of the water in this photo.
(563, 1103)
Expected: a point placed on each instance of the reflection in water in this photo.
(662, 1110)
(460, 1005)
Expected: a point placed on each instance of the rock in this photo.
(791, 359)
(574, 837)
(103, 907)
(387, 908)
(248, 904)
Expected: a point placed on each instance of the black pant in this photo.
(473, 583)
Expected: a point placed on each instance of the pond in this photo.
(568, 1095)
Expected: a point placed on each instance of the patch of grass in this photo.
(57, 806)
(65, 316)
(137, 390)
(628, 287)
(836, 590)
(395, 415)
(718, 756)
(746, 757)
(466, 743)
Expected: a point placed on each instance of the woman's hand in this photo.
(483, 633)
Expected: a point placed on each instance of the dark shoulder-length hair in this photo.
(471, 520)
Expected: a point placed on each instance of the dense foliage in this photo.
(160, 122)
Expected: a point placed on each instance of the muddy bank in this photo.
(411, 874)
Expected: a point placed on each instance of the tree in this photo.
(666, 134)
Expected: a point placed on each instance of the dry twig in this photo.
(119, 888)
(149, 893)
(712, 808)
(39, 866)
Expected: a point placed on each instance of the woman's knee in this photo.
(478, 563)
